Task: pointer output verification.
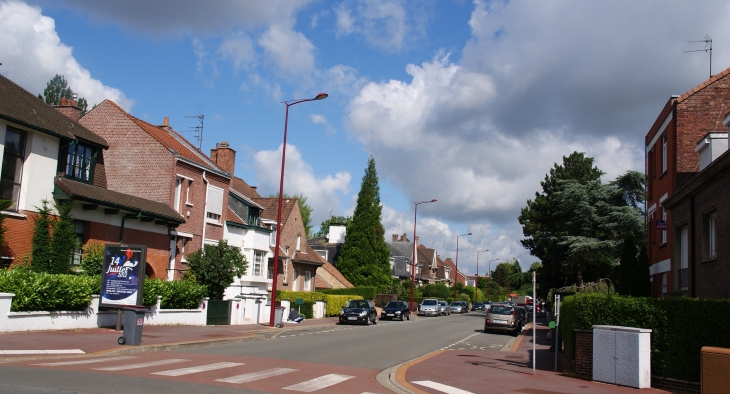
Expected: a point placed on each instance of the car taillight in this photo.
(513, 312)
(487, 320)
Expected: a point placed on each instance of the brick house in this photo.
(157, 163)
(701, 223)
(401, 250)
(426, 265)
(671, 160)
(47, 155)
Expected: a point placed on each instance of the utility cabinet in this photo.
(622, 355)
(715, 367)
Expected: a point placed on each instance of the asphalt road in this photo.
(330, 359)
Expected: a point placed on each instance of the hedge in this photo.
(306, 309)
(176, 294)
(680, 327)
(367, 293)
(336, 302)
(310, 296)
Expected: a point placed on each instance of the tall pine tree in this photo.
(64, 239)
(365, 257)
(41, 250)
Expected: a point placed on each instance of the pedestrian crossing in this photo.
(127, 363)
(296, 333)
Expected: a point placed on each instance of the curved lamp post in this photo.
(489, 287)
(476, 285)
(413, 256)
(456, 275)
(289, 103)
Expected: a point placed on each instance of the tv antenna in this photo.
(198, 130)
(708, 48)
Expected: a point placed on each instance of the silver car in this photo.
(458, 307)
(430, 307)
(444, 308)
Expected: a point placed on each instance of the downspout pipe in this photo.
(205, 212)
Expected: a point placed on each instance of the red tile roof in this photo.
(271, 204)
(703, 85)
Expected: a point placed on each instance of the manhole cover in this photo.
(514, 357)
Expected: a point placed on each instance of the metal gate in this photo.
(219, 313)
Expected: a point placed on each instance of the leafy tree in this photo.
(215, 266)
(438, 290)
(41, 249)
(58, 88)
(642, 283)
(627, 269)
(365, 257)
(63, 242)
(92, 259)
(576, 224)
(4, 204)
(304, 208)
(324, 228)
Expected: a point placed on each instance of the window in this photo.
(254, 217)
(178, 190)
(79, 229)
(258, 262)
(12, 170)
(664, 283)
(272, 239)
(299, 242)
(79, 161)
(664, 231)
(307, 280)
(709, 236)
(295, 281)
(182, 250)
(447, 274)
(664, 152)
(271, 271)
(215, 204)
(187, 192)
(683, 258)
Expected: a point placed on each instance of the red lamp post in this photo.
(413, 256)
(489, 287)
(289, 103)
(457, 262)
(476, 285)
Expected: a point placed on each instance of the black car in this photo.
(359, 311)
(396, 310)
(477, 306)
(522, 314)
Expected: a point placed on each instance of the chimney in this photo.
(417, 241)
(167, 121)
(395, 237)
(403, 238)
(224, 157)
(69, 109)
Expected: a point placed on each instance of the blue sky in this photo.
(468, 102)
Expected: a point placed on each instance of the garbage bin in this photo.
(279, 316)
(133, 322)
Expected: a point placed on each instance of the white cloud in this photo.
(322, 192)
(32, 53)
(385, 24)
(240, 49)
(290, 51)
(320, 119)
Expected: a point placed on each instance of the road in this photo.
(321, 359)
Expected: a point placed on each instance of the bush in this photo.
(306, 309)
(336, 302)
(92, 259)
(177, 294)
(680, 327)
(293, 295)
(383, 299)
(367, 293)
(36, 291)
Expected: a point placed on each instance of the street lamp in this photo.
(457, 262)
(489, 274)
(413, 256)
(289, 103)
(476, 285)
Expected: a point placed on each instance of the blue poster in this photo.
(122, 275)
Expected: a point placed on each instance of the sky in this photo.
(467, 102)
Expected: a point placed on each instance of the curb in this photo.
(393, 378)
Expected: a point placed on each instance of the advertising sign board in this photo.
(122, 277)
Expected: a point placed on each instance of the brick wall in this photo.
(157, 244)
(18, 235)
(584, 352)
(224, 157)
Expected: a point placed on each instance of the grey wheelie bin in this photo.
(133, 322)
(279, 316)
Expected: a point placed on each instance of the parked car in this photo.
(444, 308)
(396, 310)
(487, 305)
(503, 317)
(359, 311)
(429, 307)
(477, 306)
(459, 307)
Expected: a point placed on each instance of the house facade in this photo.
(671, 160)
(47, 155)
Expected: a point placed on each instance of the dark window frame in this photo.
(17, 155)
(77, 156)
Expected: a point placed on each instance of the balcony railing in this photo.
(683, 275)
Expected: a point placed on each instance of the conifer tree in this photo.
(64, 239)
(642, 283)
(627, 269)
(41, 250)
(365, 257)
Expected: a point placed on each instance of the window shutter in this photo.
(215, 200)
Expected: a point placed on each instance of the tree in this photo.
(41, 248)
(642, 281)
(365, 257)
(324, 228)
(63, 242)
(92, 259)
(56, 89)
(576, 224)
(627, 269)
(304, 208)
(215, 266)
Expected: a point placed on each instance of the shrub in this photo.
(383, 299)
(177, 294)
(336, 302)
(366, 292)
(92, 259)
(215, 267)
(306, 309)
(36, 291)
(293, 295)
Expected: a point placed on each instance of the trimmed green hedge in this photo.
(336, 302)
(306, 309)
(35, 291)
(176, 294)
(680, 327)
(367, 293)
(310, 296)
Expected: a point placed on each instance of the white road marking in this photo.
(442, 387)
(201, 368)
(318, 383)
(141, 365)
(253, 376)
(87, 361)
(57, 351)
